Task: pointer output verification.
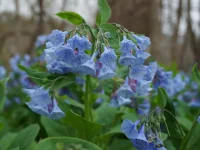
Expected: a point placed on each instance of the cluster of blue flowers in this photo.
(19, 77)
(138, 81)
(166, 80)
(141, 136)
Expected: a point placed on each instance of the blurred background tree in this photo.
(172, 25)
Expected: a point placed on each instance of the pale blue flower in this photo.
(42, 104)
(79, 43)
(126, 45)
(151, 71)
(129, 128)
(128, 59)
(137, 72)
(143, 88)
(108, 57)
(56, 38)
(106, 73)
(142, 41)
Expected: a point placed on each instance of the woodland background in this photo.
(172, 25)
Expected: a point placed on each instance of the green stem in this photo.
(185, 142)
(87, 99)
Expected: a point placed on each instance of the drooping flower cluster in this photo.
(43, 104)
(138, 81)
(2, 72)
(142, 136)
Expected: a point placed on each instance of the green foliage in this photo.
(115, 37)
(47, 80)
(3, 92)
(7, 140)
(67, 143)
(104, 12)
(85, 129)
(196, 73)
(161, 98)
(72, 17)
(25, 137)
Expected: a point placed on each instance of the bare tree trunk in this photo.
(174, 47)
(39, 28)
(195, 41)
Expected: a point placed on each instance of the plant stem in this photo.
(87, 99)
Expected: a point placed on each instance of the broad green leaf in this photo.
(72, 102)
(72, 17)
(59, 143)
(54, 129)
(196, 73)
(121, 144)
(25, 137)
(105, 115)
(3, 92)
(161, 99)
(86, 129)
(170, 120)
(104, 10)
(7, 140)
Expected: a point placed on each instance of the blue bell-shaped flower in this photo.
(137, 72)
(106, 73)
(65, 53)
(88, 67)
(56, 38)
(141, 54)
(80, 43)
(125, 90)
(151, 71)
(126, 45)
(108, 57)
(79, 59)
(41, 103)
(130, 129)
(123, 101)
(127, 59)
(140, 142)
(142, 41)
(143, 88)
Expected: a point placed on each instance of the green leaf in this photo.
(196, 73)
(121, 144)
(105, 115)
(7, 140)
(25, 137)
(98, 19)
(3, 92)
(72, 102)
(65, 143)
(161, 99)
(114, 40)
(104, 10)
(48, 80)
(86, 129)
(54, 129)
(72, 17)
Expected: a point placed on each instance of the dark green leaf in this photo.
(161, 99)
(54, 129)
(3, 92)
(65, 143)
(196, 73)
(104, 10)
(7, 140)
(98, 19)
(48, 80)
(86, 129)
(25, 137)
(72, 17)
